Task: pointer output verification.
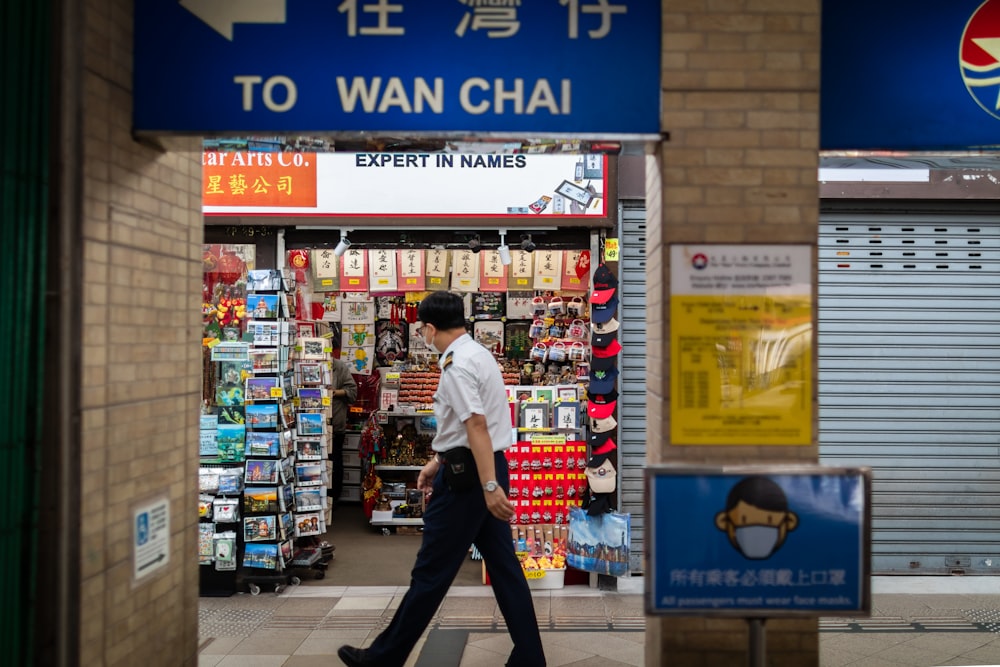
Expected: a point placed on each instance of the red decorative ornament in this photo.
(582, 267)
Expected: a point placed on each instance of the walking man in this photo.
(468, 504)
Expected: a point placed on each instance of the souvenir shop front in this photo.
(300, 274)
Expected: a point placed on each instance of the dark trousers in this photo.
(337, 465)
(453, 521)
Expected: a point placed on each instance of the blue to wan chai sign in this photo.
(758, 541)
(556, 67)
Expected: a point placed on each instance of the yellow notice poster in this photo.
(741, 345)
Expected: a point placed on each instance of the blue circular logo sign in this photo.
(979, 56)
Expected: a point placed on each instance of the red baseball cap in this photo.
(602, 296)
(610, 350)
(601, 411)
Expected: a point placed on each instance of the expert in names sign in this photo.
(581, 67)
(758, 541)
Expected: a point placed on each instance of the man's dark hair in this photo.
(442, 309)
(760, 492)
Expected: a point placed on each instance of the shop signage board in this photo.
(150, 538)
(741, 341)
(404, 184)
(570, 68)
(912, 75)
(758, 541)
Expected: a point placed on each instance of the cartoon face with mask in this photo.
(756, 517)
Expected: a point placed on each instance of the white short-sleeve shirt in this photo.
(471, 383)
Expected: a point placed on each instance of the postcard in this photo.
(260, 528)
(308, 450)
(264, 556)
(229, 394)
(286, 552)
(264, 333)
(310, 373)
(263, 389)
(260, 499)
(207, 443)
(231, 441)
(231, 481)
(264, 280)
(309, 524)
(286, 498)
(309, 498)
(263, 416)
(314, 348)
(208, 422)
(310, 398)
(309, 474)
(266, 443)
(264, 361)
(287, 525)
(311, 423)
(261, 472)
(232, 414)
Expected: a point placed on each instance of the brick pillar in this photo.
(741, 105)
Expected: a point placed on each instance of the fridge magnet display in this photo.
(267, 443)
(206, 543)
(309, 524)
(311, 423)
(308, 498)
(313, 348)
(260, 528)
(261, 555)
(231, 440)
(257, 500)
(263, 389)
(488, 306)
(263, 306)
(262, 416)
(261, 472)
(309, 474)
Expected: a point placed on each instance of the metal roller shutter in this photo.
(632, 381)
(909, 381)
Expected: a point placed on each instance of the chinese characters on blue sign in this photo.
(758, 542)
(489, 66)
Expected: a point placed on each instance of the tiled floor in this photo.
(582, 627)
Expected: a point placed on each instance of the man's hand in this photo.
(425, 480)
(498, 505)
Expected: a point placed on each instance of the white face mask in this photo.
(430, 343)
(757, 542)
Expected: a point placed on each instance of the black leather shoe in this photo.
(354, 657)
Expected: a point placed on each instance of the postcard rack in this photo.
(253, 506)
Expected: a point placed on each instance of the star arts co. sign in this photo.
(912, 75)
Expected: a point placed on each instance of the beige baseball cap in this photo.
(602, 478)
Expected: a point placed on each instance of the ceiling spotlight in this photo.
(504, 249)
(342, 247)
(527, 244)
(475, 244)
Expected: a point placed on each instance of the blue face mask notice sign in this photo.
(758, 541)
(569, 67)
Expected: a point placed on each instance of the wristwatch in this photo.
(490, 486)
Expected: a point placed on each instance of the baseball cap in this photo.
(601, 382)
(603, 425)
(603, 339)
(597, 440)
(605, 449)
(610, 350)
(602, 478)
(601, 399)
(603, 278)
(602, 312)
(604, 327)
(601, 296)
(602, 363)
(601, 410)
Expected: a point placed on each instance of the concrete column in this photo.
(741, 106)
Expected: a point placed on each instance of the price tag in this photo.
(326, 282)
(612, 252)
(325, 400)
(534, 574)
(392, 376)
(210, 342)
(276, 392)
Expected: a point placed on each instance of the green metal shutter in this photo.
(25, 47)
